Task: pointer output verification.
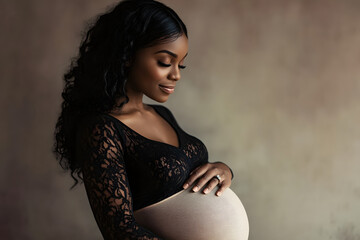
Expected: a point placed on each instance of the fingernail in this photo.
(206, 190)
(195, 189)
(218, 194)
(186, 186)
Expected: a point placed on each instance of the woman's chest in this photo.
(161, 161)
(157, 170)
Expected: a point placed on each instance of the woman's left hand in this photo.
(206, 174)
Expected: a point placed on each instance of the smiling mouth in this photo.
(167, 89)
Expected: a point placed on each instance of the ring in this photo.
(218, 178)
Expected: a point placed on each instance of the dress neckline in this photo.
(148, 139)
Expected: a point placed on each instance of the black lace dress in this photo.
(124, 171)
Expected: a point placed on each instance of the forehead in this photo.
(178, 46)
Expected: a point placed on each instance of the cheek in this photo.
(155, 73)
(146, 74)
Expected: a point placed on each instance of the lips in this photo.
(167, 88)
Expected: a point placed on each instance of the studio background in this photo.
(271, 87)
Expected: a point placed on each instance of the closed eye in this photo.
(161, 64)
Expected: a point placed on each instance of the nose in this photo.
(175, 74)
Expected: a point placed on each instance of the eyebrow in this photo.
(170, 53)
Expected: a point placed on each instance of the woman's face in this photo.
(155, 70)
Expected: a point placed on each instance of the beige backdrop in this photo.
(272, 88)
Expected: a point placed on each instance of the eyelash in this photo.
(168, 65)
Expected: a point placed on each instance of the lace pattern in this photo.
(124, 171)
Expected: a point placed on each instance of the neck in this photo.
(135, 103)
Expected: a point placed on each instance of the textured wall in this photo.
(272, 88)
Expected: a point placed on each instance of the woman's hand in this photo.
(206, 174)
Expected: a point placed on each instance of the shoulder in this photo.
(102, 124)
(96, 120)
(98, 129)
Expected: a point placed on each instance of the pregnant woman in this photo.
(144, 176)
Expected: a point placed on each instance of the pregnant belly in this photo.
(196, 216)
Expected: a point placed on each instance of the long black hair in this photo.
(95, 82)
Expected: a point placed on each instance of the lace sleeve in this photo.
(106, 182)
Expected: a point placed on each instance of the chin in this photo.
(159, 99)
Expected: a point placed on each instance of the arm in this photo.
(107, 185)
